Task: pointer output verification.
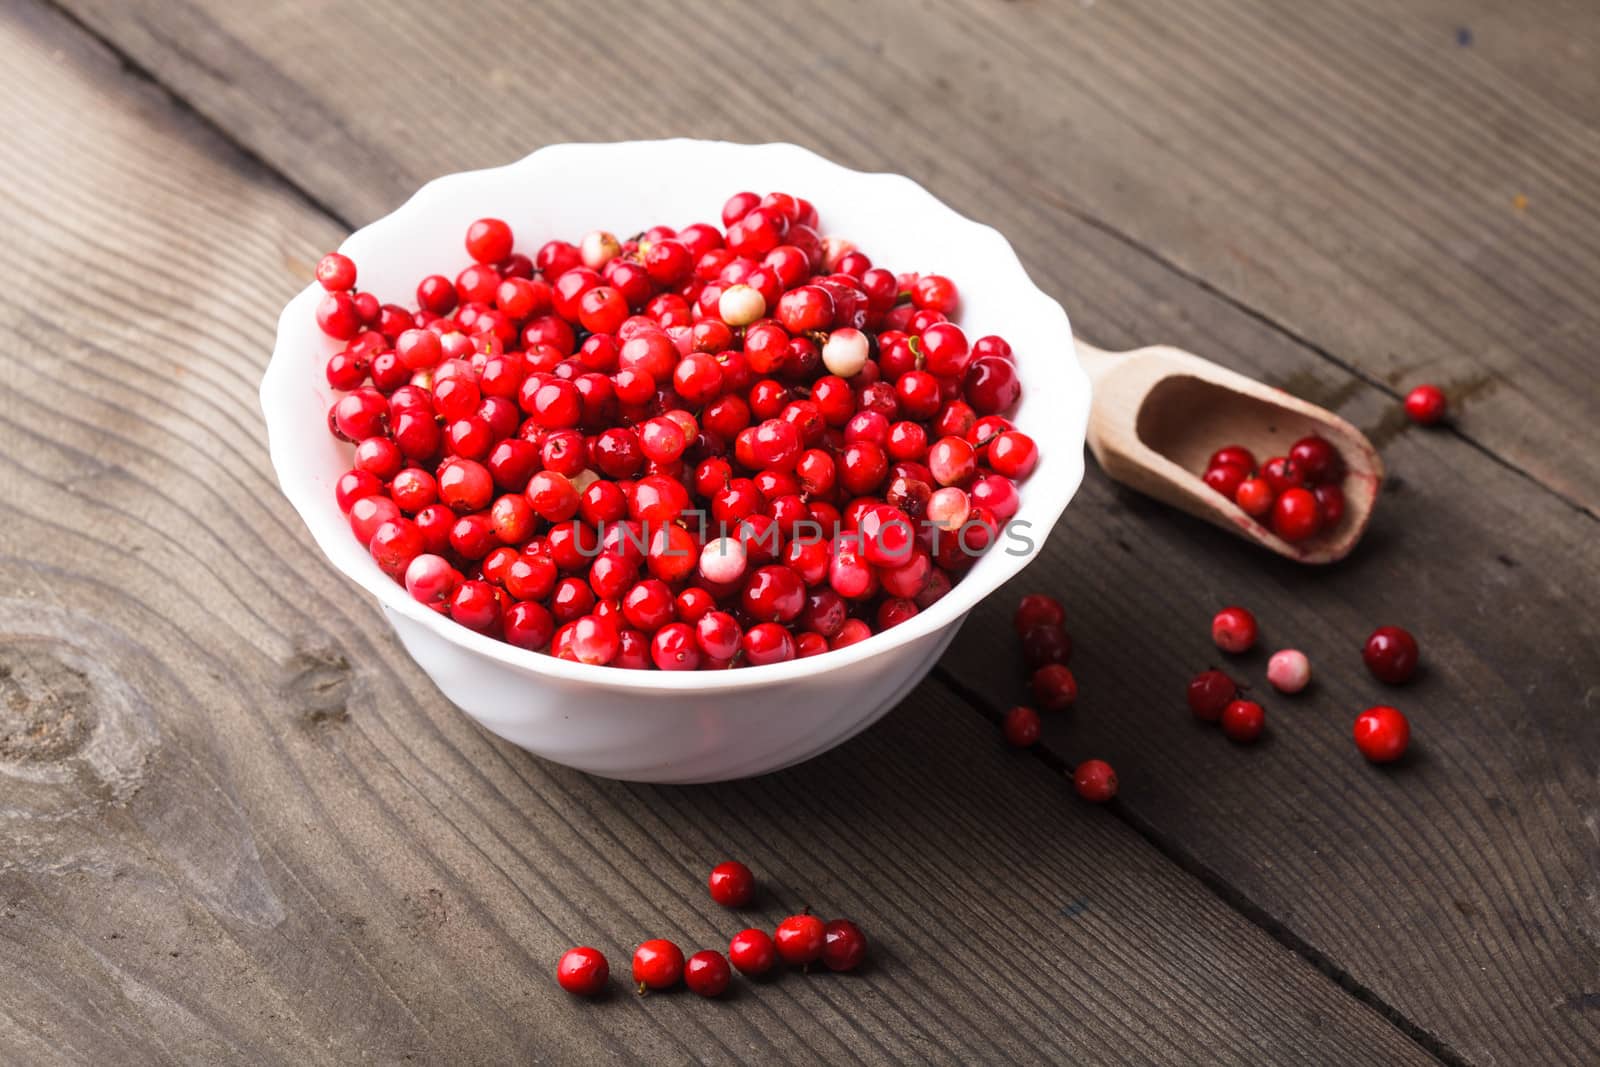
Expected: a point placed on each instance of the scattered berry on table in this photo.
(1021, 726)
(1095, 781)
(583, 971)
(1391, 655)
(1289, 671)
(1426, 405)
(753, 952)
(657, 964)
(1234, 630)
(1046, 644)
(844, 945)
(1382, 734)
(1055, 687)
(707, 973)
(1208, 693)
(1243, 720)
(732, 884)
(800, 939)
(1036, 610)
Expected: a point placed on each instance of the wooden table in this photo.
(239, 824)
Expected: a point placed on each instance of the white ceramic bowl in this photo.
(697, 726)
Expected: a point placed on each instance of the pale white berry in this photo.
(1289, 671)
(723, 560)
(740, 304)
(598, 248)
(845, 352)
(948, 508)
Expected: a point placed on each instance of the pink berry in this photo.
(1289, 671)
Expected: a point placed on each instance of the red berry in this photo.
(1234, 630)
(489, 240)
(336, 271)
(800, 939)
(1054, 687)
(1233, 455)
(1295, 516)
(1046, 644)
(1391, 655)
(1095, 781)
(731, 883)
(1243, 720)
(1021, 726)
(1282, 473)
(753, 952)
(1330, 504)
(657, 964)
(844, 945)
(1426, 404)
(1226, 479)
(1254, 497)
(1317, 459)
(1036, 610)
(1382, 734)
(583, 971)
(707, 973)
(1209, 693)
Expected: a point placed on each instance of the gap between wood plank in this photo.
(1209, 878)
(1226, 892)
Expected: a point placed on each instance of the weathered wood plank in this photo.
(1478, 954)
(1336, 168)
(239, 824)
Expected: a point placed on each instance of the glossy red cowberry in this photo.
(1209, 692)
(1234, 630)
(844, 945)
(1243, 720)
(1295, 516)
(1426, 404)
(1036, 610)
(1391, 655)
(583, 971)
(657, 964)
(1318, 460)
(753, 952)
(1382, 734)
(800, 939)
(1020, 726)
(1095, 781)
(707, 973)
(732, 884)
(1054, 687)
(1046, 644)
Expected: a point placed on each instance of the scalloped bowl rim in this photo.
(282, 388)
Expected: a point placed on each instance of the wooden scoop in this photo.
(1159, 413)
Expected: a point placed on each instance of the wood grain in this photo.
(239, 824)
(1157, 169)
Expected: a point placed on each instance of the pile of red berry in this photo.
(1298, 495)
(692, 448)
(800, 940)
